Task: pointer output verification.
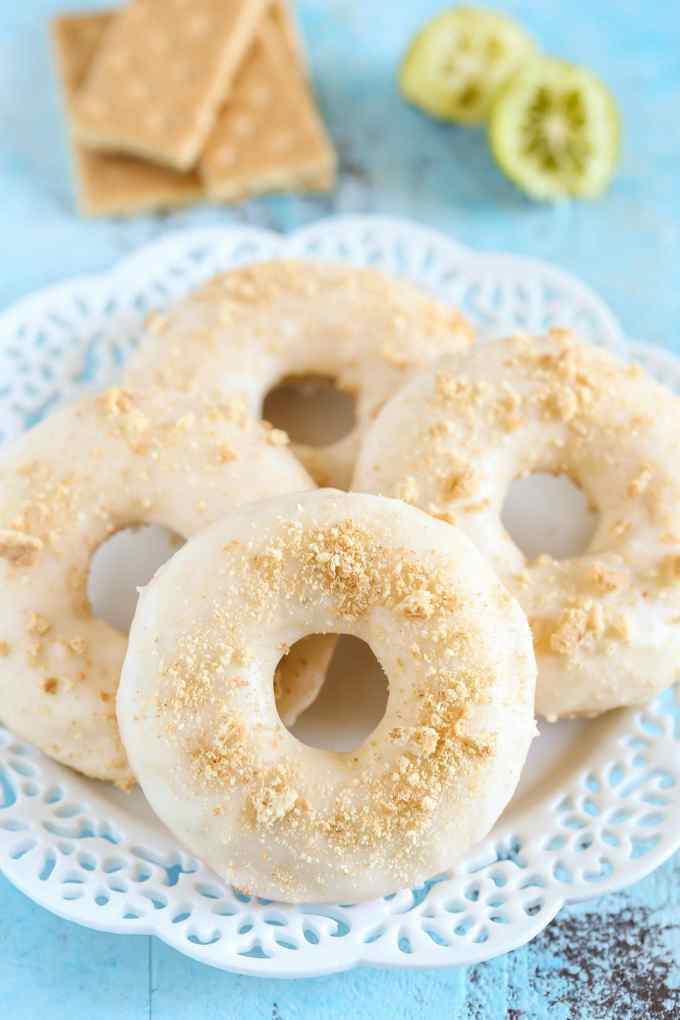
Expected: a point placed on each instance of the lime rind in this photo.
(554, 129)
(458, 61)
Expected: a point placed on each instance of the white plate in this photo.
(599, 802)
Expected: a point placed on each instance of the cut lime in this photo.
(554, 130)
(457, 62)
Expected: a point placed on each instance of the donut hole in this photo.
(122, 564)
(351, 702)
(311, 408)
(545, 513)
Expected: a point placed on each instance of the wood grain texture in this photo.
(617, 958)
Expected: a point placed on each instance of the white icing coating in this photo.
(297, 823)
(606, 623)
(67, 485)
(272, 320)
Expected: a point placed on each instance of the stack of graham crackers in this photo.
(174, 101)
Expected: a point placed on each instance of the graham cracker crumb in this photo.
(418, 605)
(19, 548)
(225, 759)
(407, 490)
(350, 565)
(569, 631)
(621, 528)
(225, 454)
(562, 405)
(669, 571)
(618, 626)
(640, 482)
(275, 437)
(273, 796)
(38, 625)
(606, 580)
(574, 625)
(461, 483)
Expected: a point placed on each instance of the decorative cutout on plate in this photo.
(98, 857)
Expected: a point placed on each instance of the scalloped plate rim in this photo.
(518, 264)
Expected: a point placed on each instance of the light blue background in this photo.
(616, 958)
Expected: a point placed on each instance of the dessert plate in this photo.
(599, 802)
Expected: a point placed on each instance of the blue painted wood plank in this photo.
(58, 970)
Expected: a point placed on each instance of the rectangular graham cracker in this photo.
(107, 184)
(269, 135)
(322, 177)
(160, 75)
(283, 14)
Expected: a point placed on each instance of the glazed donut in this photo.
(606, 624)
(104, 464)
(298, 823)
(278, 320)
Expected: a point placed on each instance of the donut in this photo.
(280, 320)
(104, 464)
(297, 823)
(606, 623)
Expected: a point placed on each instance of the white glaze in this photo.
(197, 713)
(553, 405)
(272, 320)
(88, 471)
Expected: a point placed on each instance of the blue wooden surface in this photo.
(613, 958)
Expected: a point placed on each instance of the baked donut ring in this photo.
(104, 464)
(607, 623)
(272, 321)
(298, 823)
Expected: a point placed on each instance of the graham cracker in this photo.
(269, 135)
(284, 15)
(160, 74)
(110, 185)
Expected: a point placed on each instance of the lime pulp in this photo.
(554, 130)
(458, 61)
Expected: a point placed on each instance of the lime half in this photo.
(457, 62)
(554, 130)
